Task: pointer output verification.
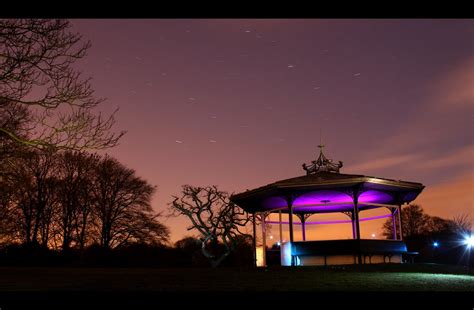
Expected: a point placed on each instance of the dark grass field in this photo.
(370, 287)
(370, 278)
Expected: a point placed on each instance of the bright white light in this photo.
(271, 237)
(469, 241)
(373, 235)
(435, 244)
(285, 256)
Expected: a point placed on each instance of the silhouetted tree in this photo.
(8, 210)
(13, 118)
(37, 59)
(191, 249)
(122, 211)
(214, 216)
(34, 182)
(463, 223)
(74, 191)
(414, 222)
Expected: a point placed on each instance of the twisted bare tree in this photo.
(37, 75)
(214, 216)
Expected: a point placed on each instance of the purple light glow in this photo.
(375, 197)
(327, 200)
(333, 222)
(319, 197)
(334, 208)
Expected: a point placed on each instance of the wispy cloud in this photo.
(382, 163)
(419, 163)
(463, 156)
(456, 87)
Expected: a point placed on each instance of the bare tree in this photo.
(13, 118)
(75, 170)
(122, 209)
(144, 227)
(417, 223)
(8, 212)
(414, 222)
(37, 58)
(462, 223)
(34, 182)
(214, 216)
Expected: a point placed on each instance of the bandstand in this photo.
(325, 190)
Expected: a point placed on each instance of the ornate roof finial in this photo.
(322, 164)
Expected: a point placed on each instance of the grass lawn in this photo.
(370, 278)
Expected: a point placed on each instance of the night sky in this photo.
(240, 104)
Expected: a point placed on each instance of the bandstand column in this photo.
(290, 218)
(354, 234)
(280, 226)
(303, 226)
(356, 219)
(254, 241)
(264, 240)
(400, 221)
(394, 224)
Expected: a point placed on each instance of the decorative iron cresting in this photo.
(322, 164)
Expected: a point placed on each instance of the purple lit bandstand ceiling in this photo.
(325, 190)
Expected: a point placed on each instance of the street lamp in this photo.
(469, 241)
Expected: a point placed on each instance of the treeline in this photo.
(74, 208)
(184, 253)
(435, 239)
(72, 200)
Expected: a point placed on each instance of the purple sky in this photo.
(240, 103)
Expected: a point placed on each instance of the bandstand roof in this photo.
(323, 189)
